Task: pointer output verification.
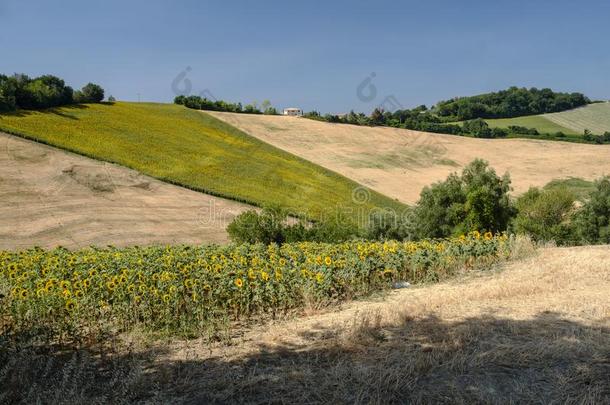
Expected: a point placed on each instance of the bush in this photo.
(252, 227)
(593, 220)
(271, 226)
(476, 200)
(545, 215)
(388, 225)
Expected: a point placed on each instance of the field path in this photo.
(400, 162)
(49, 197)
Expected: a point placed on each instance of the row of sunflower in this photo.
(190, 289)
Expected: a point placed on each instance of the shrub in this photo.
(387, 225)
(477, 128)
(271, 226)
(593, 220)
(476, 200)
(545, 215)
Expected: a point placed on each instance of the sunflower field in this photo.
(50, 295)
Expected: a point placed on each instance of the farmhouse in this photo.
(295, 112)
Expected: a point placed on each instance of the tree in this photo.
(546, 215)
(111, 99)
(593, 220)
(476, 200)
(90, 93)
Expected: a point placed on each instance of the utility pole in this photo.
(138, 97)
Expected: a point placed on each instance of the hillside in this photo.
(51, 197)
(540, 122)
(400, 162)
(192, 149)
(594, 117)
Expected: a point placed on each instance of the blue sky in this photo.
(311, 54)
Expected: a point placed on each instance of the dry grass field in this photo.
(399, 162)
(51, 197)
(534, 331)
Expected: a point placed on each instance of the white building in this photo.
(295, 112)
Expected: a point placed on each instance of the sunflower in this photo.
(78, 293)
(86, 283)
(319, 277)
(264, 276)
(92, 273)
(23, 294)
(111, 285)
(40, 292)
(166, 298)
(70, 305)
(65, 284)
(188, 283)
(239, 282)
(328, 260)
(66, 293)
(488, 235)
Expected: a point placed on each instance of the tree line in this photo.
(513, 102)
(202, 103)
(19, 91)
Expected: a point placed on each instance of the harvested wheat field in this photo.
(535, 331)
(51, 197)
(400, 162)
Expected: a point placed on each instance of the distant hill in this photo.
(594, 117)
(195, 150)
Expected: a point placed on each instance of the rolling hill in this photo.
(594, 117)
(400, 162)
(51, 198)
(195, 150)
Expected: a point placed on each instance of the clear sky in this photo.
(311, 54)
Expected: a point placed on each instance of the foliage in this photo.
(389, 225)
(512, 102)
(272, 226)
(47, 91)
(593, 220)
(545, 214)
(478, 199)
(186, 290)
(195, 150)
(479, 129)
(90, 93)
(202, 103)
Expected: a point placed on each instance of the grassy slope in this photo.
(594, 117)
(542, 124)
(581, 188)
(186, 147)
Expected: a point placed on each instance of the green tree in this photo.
(90, 93)
(593, 220)
(476, 200)
(546, 215)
